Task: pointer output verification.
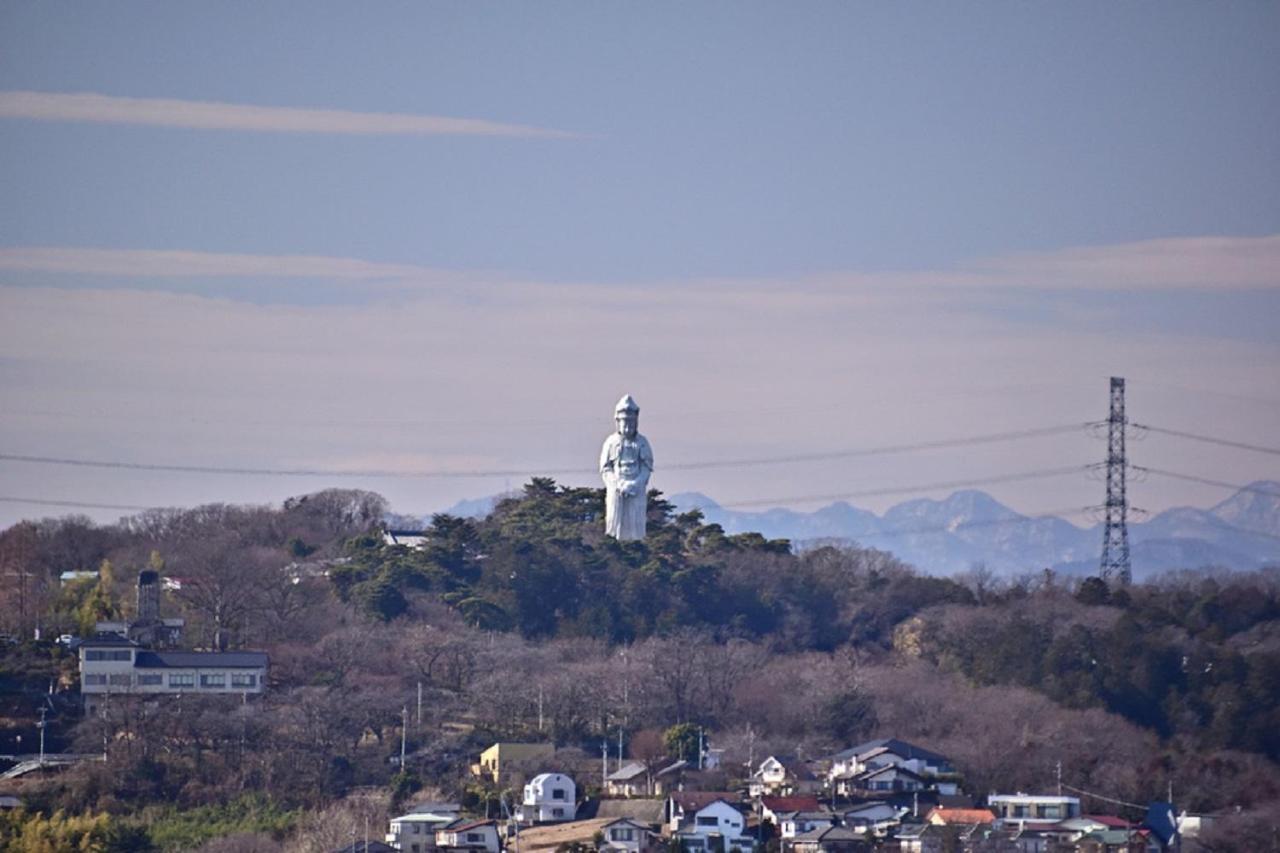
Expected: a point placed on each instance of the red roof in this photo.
(1110, 820)
(945, 816)
(791, 804)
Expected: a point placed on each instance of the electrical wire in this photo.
(1209, 439)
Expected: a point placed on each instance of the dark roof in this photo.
(890, 768)
(373, 847)
(829, 833)
(696, 801)
(643, 811)
(108, 640)
(790, 804)
(900, 747)
(188, 660)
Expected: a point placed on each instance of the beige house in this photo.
(498, 758)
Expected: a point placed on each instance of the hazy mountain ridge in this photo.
(971, 527)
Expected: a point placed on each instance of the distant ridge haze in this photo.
(970, 528)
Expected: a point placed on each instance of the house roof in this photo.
(554, 835)
(829, 833)
(1110, 821)
(962, 815)
(899, 747)
(433, 807)
(191, 660)
(464, 825)
(641, 811)
(696, 801)
(790, 804)
(370, 847)
(626, 772)
(103, 639)
(892, 768)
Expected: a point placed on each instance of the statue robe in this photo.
(625, 466)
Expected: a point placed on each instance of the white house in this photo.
(889, 778)
(875, 818)
(548, 797)
(626, 835)
(476, 835)
(695, 817)
(783, 774)
(110, 664)
(1031, 811)
(415, 832)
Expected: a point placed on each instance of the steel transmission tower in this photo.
(1115, 538)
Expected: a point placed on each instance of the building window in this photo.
(108, 654)
(707, 821)
(239, 679)
(119, 680)
(215, 680)
(182, 679)
(95, 680)
(623, 834)
(149, 679)
(475, 838)
(557, 793)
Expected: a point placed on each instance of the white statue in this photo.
(626, 461)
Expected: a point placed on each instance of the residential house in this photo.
(872, 818)
(548, 797)
(1118, 841)
(497, 759)
(885, 752)
(878, 780)
(698, 817)
(628, 836)
(114, 665)
(829, 839)
(1032, 811)
(415, 831)
(799, 823)
(782, 775)
(480, 836)
(415, 539)
(629, 780)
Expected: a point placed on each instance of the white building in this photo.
(549, 797)
(696, 817)
(415, 832)
(476, 835)
(111, 664)
(1028, 811)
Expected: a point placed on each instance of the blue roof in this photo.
(901, 747)
(193, 660)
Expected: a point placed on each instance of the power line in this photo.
(494, 473)
(72, 504)
(1224, 442)
(1191, 478)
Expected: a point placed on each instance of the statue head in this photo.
(627, 416)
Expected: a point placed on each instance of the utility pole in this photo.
(539, 708)
(41, 724)
(1059, 771)
(1115, 536)
(604, 762)
(404, 730)
(419, 707)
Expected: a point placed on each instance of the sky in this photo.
(423, 248)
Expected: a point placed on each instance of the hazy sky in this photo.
(446, 237)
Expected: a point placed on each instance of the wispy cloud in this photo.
(193, 264)
(213, 115)
(1180, 262)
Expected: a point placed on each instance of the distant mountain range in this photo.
(971, 527)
